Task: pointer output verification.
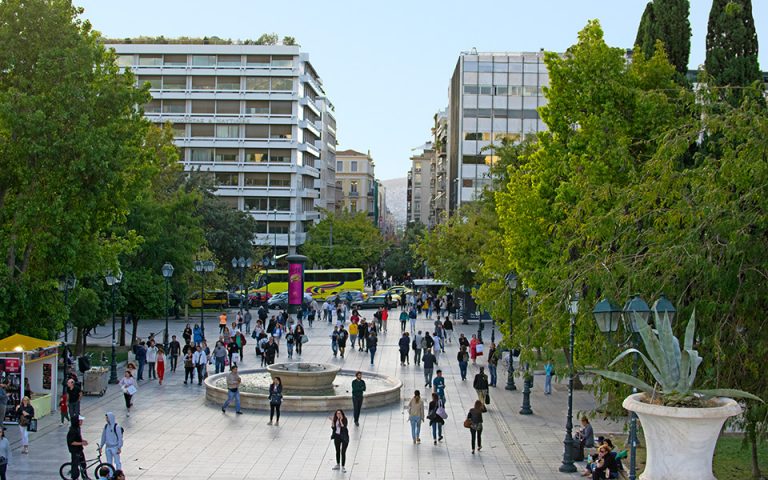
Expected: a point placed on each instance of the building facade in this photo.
(439, 181)
(491, 96)
(253, 117)
(420, 183)
(355, 177)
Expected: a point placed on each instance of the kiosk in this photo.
(30, 365)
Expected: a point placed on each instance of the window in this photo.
(279, 61)
(229, 61)
(353, 186)
(174, 106)
(261, 227)
(175, 82)
(228, 107)
(281, 131)
(478, 89)
(228, 83)
(479, 159)
(417, 180)
(280, 156)
(466, 182)
(531, 91)
(179, 130)
(150, 60)
(282, 84)
(339, 166)
(203, 106)
(175, 60)
(353, 166)
(280, 108)
(124, 60)
(255, 180)
(279, 227)
(477, 113)
(257, 131)
(282, 180)
(153, 106)
(202, 154)
(257, 107)
(256, 203)
(202, 130)
(227, 131)
(256, 155)
(155, 82)
(203, 60)
(257, 84)
(485, 136)
(203, 83)
(261, 61)
(226, 155)
(280, 204)
(353, 205)
(225, 179)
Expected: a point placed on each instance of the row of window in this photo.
(532, 64)
(228, 131)
(508, 90)
(479, 159)
(272, 227)
(253, 155)
(500, 113)
(267, 204)
(487, 136)
(221, 61)
(220, 107)
(222, 84)
(352, 166)
(273, 180)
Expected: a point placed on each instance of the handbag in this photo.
(487, 397)
(131, 390)
(32, 427)
(304, 339)
(479, 348)
(441, 412)
(23, 421)
(467, 423)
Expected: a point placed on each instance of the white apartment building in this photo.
(256, 117)
(491, 96)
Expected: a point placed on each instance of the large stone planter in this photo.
(680, 442)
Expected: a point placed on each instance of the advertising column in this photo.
(295, 282)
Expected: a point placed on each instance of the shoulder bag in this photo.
(32, 427)
(467, 423)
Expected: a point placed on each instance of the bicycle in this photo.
(66, 470)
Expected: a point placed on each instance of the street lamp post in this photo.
(511, 280)
(112, 281)
(67, 283)
(240, 265)
(167, 270)
(525, 409)
(634, 310)
(567, 465)
(203, 267)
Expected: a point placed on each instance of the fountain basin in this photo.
(304, 376)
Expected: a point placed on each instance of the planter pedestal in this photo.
(680, 442)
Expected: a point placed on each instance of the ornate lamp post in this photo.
(67, 283)
(167, 270)
(511, 280)
(525, 409)
(240, 264)
(112, 281)
(203, 267)
(567, 465)
(634, 310)
(267, 262)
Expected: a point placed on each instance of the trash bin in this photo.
(95, 381)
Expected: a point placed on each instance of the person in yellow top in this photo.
(222, 322)
(353, 331)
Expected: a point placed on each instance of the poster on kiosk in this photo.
(295, 282)
(10, 375)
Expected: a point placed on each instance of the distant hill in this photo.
(397, 198)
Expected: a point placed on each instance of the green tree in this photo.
(267, 39)
(667, 21)
(344, 240)
(401, 257)
(72, 156)
(732, 45)
(289, 41)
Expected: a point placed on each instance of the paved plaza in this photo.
(173, 433)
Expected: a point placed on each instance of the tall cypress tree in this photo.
(732, 44)
(666, 20)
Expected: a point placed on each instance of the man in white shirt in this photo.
(199, 360)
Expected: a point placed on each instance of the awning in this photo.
(27, 344)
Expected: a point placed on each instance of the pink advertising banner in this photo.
(295, 283)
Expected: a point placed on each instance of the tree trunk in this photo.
(134, 329)
(538, 354)
(78, 341)
(756, 474)
(122, 330)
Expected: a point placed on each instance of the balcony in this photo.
(309, 126)
(309, 148)
(308, 102)
(354, 194)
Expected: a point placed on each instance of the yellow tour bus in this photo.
(318, 283)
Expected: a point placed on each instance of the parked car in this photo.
(351, 296)
(235, 299)
(376, 301)
(213, 299)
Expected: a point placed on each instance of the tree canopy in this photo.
(732, 44)
(344, 240)
(666, 21)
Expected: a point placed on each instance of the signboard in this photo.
(10, 375)
(47, 373)
(295, 283)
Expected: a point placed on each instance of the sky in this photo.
(386, 65)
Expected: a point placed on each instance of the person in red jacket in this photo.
(63, 409)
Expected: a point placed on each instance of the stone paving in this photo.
(174, 433)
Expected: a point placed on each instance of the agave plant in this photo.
(674, 369)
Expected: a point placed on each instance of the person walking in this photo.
(416, 416)
(75, 444)
(342, 339)
(429, 342)
(493, 361)
(358, 389)
(438, 385)
(5, 453)
(362, 335)
(63, 410)
(403, 320)
(112, 440)
(404, 344)
(189, 367)
(25, 412)
(74, 394)
(475, 349)
(354, 329)
(222, 322)
(340, 436)
(481, 385)
(141, 359)
(418, 343)
(187, 334)
(3, 403)
(160, 365)
(275, 400)
(128, 386)
(174, 350)
(448, 327)
(475, 417)
(463, 358)
(233, 390)
(151, 360)
(429, 360)
(197, 335)
(200, 360)
(435, 420)
(248, 318)
(384, 318)
(549, 369)
(372, 343)
(219, 357)
(463, 342)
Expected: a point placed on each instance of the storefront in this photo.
(29, 365)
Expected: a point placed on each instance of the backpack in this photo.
(414, 346)
(114, 426)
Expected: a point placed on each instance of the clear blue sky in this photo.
(386, 65)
